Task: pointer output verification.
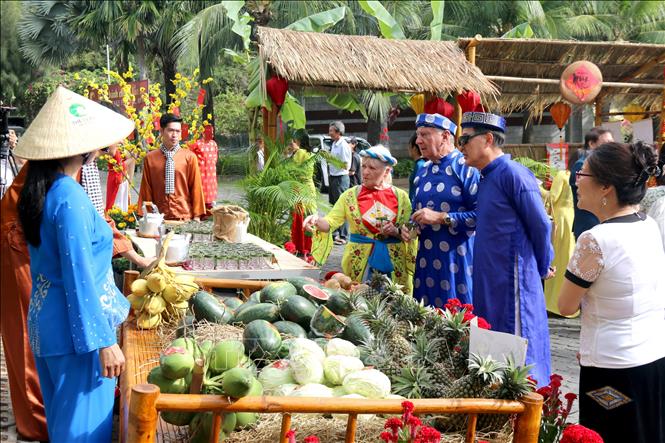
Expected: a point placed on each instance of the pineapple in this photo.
(484, 375)
(413, 382)
(378, 352)
(407, 309)
(515, 385)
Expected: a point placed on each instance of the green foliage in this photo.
(15, 72)
(319, 22)
(437, 19)
(231, 116)
(540, 169)
(38, 92)
(293, 113)
(233, 164)
(403, 168)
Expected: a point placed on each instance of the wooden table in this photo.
(286, 265)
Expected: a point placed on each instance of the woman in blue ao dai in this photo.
(444, 207)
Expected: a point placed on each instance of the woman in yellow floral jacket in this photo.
(373, 210)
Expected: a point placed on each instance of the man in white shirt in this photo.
(339, 177)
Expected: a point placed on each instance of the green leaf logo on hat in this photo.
(77, 110)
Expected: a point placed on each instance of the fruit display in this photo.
(162, 296)
(224, 368)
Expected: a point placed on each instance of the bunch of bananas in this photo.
(161, 295)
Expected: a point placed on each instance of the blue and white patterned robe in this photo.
(444, 265)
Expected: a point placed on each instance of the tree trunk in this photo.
(374, 130)
(169, 68)
(140, 59)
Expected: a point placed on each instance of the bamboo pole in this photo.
(598, 120)
(527, 424)
(286, 427)
(228, 283)
(549, 81)
(128, 278)
(216, 427)
(265, 404)
(351, 428)
(471, 428)
(471, 57)
(142, 414)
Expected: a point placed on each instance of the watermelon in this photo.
(263, 311)
(315, 294)
(207, 307)
(290, 329)
(299, 282)
(232, 302)
(261, 339)
(325, 323)
(339, 303)
(244, 306)
(237, 382)
(298, 310)
(176, 362)
(185, 326)
(277, 292)
(255, 297)
(356, 331)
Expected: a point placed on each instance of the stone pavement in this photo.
(564, 333)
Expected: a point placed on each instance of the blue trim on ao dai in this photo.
(75, 306)
(513, 252)
(444, 265)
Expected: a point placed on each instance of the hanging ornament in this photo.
(469, 101)
(276, 88)
(581, 82)
(201, 98)
(417, 103)
(636, 112)
(184, 131)
(439, 106)
(560, 112)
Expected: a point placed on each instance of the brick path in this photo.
(564, 337)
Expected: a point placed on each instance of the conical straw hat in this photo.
(70, 124)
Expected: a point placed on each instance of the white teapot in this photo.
(151, 222)
(178, 248)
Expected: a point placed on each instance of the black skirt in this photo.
(624, 405)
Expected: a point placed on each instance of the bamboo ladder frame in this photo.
(146, 401)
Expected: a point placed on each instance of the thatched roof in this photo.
(546, 59)
(370, 63)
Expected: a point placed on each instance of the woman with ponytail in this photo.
(615, 277)
(75, 307)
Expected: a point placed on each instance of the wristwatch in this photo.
(447, 220)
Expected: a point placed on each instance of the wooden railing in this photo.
(147, 401)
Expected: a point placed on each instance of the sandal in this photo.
(340, 241)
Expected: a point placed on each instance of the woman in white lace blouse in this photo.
(616, 277)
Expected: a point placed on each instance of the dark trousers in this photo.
(339, 184)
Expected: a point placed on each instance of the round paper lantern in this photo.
(581, 82)
(560, 112)
(417, 103)
(439, 106)
(469, 101)
(636, 113)
(276, 87)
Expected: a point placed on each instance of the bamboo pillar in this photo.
(286, 427)
(661, 129)
(143, 415)
(471, 428)
(471, 57)
(527, 424)
(599, 111)
(351, 427)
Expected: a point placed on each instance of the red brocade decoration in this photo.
(276, 88)
(439, 106)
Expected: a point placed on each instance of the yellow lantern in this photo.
(636, 112)
(417, 103)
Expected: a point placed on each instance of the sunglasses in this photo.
(464, 139)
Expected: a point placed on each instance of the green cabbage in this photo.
(369, 383)
(312, 390)
(284, 390)
(276, 374)
(339, 391)
(336, 367)
(306, 346)
(307, 368)
(338, 346)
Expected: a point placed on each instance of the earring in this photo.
(603, 201)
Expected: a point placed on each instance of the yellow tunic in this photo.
(356, 255)
(560, 198)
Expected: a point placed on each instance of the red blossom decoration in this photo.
(580, 434)
(469, 101)
(290, 247)
(276, 87)
(453, 305)
(311, 439)
(483, 324)
(439, 106)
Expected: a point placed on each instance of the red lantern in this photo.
(560, 112)
(439, 106)
(469, 101)
(276, 88)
